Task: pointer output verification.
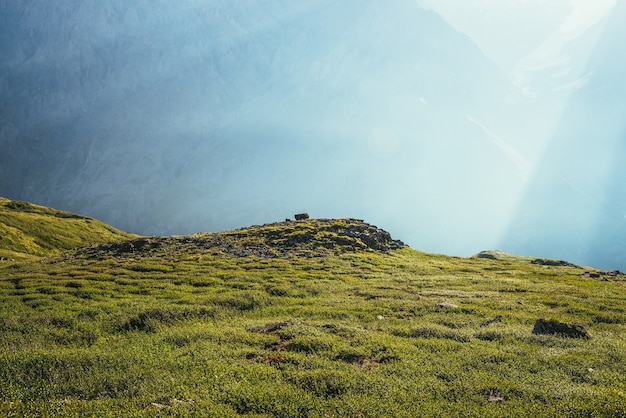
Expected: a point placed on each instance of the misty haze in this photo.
(454, 126)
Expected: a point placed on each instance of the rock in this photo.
(494, 395)
(301, 216)
(316, 238)
(447, 305)
(561, 329)
(495, 255)
(491, 321)
(486, 254)
(555, 263)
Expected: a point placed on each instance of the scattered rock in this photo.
(447, 305)
(494, 395)
(487, 254)
(491, 321)
(368, 363)
(554, 263)
(554, 327)
(497, 255)
(614, 275)
(315, 238)
(277, 326)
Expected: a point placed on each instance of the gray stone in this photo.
(554, 327)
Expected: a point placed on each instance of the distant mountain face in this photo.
(171, 118)
(163, 118)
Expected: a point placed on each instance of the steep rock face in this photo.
(165, 118)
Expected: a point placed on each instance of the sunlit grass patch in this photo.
(354, 334)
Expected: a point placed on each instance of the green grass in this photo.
(28, 231)
(359, 334)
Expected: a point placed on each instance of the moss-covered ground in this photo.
(358, 334)
(29, 231)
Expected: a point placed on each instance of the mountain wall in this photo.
(162, 118)
(174, 118)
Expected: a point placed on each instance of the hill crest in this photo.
(28, 230)
(305, 238)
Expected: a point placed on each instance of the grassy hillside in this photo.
(320, 318)
(30, 231)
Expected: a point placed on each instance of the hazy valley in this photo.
(205, 116)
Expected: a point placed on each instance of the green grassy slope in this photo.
(29, 231)
(305, 319)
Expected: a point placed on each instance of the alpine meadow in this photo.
(308, 318)
(313, 208)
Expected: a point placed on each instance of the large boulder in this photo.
(552, 326)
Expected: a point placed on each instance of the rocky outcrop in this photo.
(306, 238)
(614, 275)
(554, 263)
(487, 254)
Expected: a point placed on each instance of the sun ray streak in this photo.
(511, 153)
